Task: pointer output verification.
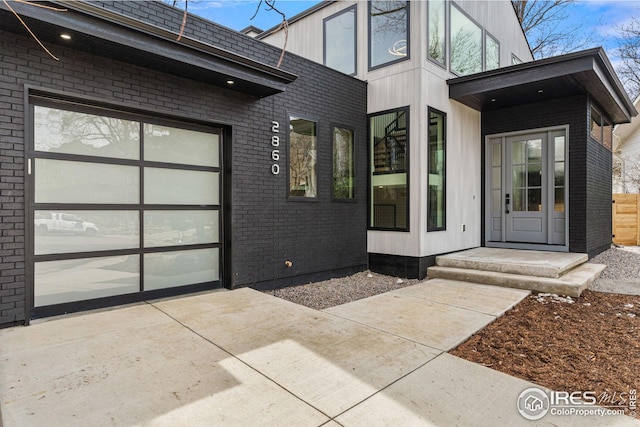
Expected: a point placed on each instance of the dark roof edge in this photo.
(313, 9)
(596, 53)
(617, 84)
(161, 33)
(250, 28)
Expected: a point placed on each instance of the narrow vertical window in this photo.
(340, 41)
(437, 31)
(343, 164)
(302, 158)
(466, 44)
(389, 151)
(491, 53)
(436, 201)
(388, 32)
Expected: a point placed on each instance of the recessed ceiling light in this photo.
(493, 100)
(230, 82)
(65, 36)
(541, 90)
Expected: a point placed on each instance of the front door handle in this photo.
(506, 203)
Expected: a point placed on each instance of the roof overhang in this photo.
(586, 72)
(99, 31)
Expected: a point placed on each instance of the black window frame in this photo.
(487, 34)
(316, 198)
(606, 129)
(406, 110)
(369, 39)
(353, 162)
(449, 35)
(445, 62)
(431, 110)
(353, 8)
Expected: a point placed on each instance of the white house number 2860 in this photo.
(275, 147)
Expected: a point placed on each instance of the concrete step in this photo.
(514, 261)
(572, 283)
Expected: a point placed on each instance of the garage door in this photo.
(123, 206)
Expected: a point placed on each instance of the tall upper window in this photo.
(340, 41)
(491, 53)
(302, 158)
(466, 43)
(388, 32)
(437, 31)
(436, 201)
(343, 164)
(389, 148)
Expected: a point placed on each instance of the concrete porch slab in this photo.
(436, 325)
(572, 283)
(133, 366)
(617, 286)
(486, 299)
(514, 261)
(449, 391)
(324, 360)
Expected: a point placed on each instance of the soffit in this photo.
(108, 34)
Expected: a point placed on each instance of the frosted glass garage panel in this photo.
(58, 232)
(169, 228)
(62, 181)
(181, 187)
(180, 268)
(183, 146)
(71, 132)
(57, 282)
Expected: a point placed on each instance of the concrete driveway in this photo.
(244, 358)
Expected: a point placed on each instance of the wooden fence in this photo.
(626, 219)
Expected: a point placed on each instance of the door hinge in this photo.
(28, 166)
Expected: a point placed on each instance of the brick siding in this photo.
(265, 227)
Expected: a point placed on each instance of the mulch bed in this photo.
(590, 344)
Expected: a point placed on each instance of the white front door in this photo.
(525, 188)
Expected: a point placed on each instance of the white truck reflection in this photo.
(55, 222)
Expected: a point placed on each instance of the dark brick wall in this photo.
(589, 165)
(599, 172)
(266, 228)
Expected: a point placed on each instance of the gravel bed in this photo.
(622, 263)
(341, 290)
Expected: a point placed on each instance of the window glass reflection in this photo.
(181, 187)
(71, 132)
(436, 179)
(388, 24)
(58, 282)
(340, 41)
(302, 158)
(437, 46)
(179, 268)
(170, 228)
(62, 181)
(466, 44)
(183, 146)
(492, 53)
(59, 232)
